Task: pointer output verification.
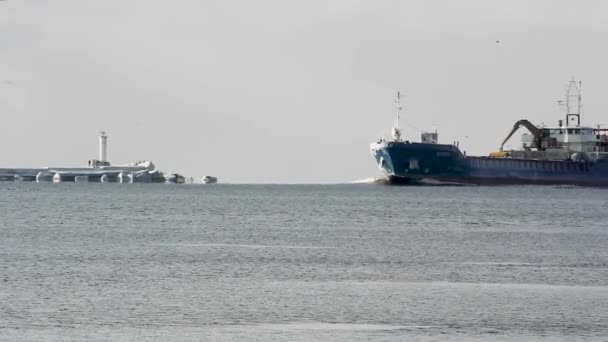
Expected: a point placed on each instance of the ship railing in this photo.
(598, 153)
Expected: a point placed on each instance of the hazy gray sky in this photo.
(281, 90)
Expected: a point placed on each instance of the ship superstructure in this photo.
(564, 154)
(563, 140)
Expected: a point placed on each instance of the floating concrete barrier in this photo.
(43, 176)
(81, 179)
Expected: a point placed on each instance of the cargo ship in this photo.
(564, 154)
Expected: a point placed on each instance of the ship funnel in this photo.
(103, 147)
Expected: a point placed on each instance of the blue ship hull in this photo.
(415, 163)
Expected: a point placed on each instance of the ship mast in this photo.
(573, 102)
(397, 127)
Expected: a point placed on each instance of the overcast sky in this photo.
(281, 90)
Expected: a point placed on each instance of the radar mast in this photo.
(397, 128)
(573, 102)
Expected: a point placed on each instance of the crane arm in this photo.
(533, 129)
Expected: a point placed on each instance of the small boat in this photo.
(209, 180)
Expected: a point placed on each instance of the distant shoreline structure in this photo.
(98, 171)
(209, 180)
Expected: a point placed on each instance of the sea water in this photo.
(128, 262)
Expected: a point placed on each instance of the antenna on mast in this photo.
(397, 128)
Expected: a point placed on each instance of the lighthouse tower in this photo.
(103, 152)
(103, 147)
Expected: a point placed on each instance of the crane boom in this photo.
(533, 129)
